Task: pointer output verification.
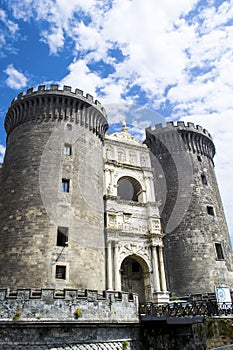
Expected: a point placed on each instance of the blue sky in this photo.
(175, 58)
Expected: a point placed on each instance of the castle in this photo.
(84, 210)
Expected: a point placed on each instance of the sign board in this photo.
(223, 296)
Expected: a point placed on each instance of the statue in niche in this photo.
(112, 220)
(121, 156)
(109, 153)
(110, 190)
(132, 158)
(143, 161)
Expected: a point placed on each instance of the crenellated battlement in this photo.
(179, 137)
(57, 104)
(55, 89)
(52, 304)
(180, 125)
(67, 294)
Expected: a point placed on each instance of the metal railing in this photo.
(196, 308)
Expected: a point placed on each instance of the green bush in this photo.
(125, 345)
(78, 313)
(17, 315)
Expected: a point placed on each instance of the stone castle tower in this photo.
(197, 245)
(81, 209)
(52, 212)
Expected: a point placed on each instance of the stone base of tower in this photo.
(161, 297)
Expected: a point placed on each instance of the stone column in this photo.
(117, 270)
(152, 192)
(106, 180)
(109, 181)
(162, 270)
(109, 266)
(111, 191)
(150, 188)
(155, 268)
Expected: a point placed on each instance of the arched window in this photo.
(129, 189)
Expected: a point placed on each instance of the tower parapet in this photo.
(54, 104)
(191, 137)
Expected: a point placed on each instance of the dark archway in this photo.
(133, 277)
(129, 189)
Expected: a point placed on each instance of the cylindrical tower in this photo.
(197, 246)
(52, 214)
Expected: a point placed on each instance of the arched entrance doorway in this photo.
(135, 277)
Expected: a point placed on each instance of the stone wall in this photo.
(67, 305)
(65, 335)
(78, 320)
(219, 332)
(163, 336)
(212, 333)
(49, 319)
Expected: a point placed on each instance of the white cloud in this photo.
(8, 32)
(81, 76)
(89, 38)
(68, 8)
(15, 80)
(54, 38)
(27, 9)
(3, 15)
(154, 36)
(59, 14)
(10, 25)
(2, 152)
(154, 51)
